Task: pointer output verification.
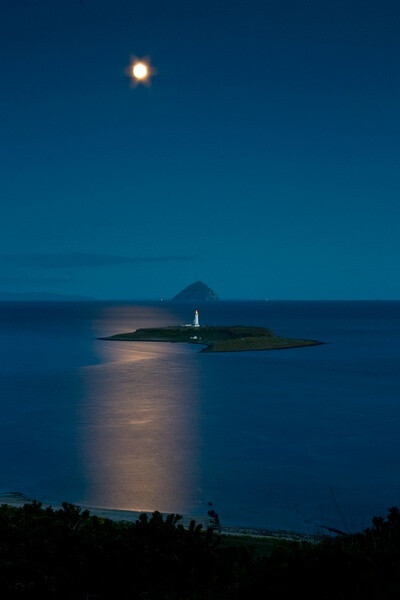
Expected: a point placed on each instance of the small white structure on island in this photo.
(196, 319)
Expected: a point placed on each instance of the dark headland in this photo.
(216, 339)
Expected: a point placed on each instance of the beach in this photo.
(18, 499)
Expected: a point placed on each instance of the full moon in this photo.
(140, 71)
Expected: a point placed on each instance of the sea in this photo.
(304, 439)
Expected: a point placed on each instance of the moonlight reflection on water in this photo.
(139, 438)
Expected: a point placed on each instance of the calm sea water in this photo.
(289, 439)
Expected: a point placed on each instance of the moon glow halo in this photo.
(140, 71)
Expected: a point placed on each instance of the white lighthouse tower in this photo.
(196, 319)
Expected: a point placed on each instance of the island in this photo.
(235, 338)
(196, 292)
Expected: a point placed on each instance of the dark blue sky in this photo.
(263, 159)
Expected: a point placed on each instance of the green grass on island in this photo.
(216, 339)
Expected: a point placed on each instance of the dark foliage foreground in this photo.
(67, 553)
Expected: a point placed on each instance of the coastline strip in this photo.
(18, 499)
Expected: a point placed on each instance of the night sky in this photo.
(263, 159)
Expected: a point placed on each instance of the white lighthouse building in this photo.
(196, 319)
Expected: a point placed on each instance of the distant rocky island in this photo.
(215, 339)
(196, 292)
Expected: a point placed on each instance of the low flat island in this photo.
(235, 338)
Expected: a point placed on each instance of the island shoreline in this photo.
(216, 339)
